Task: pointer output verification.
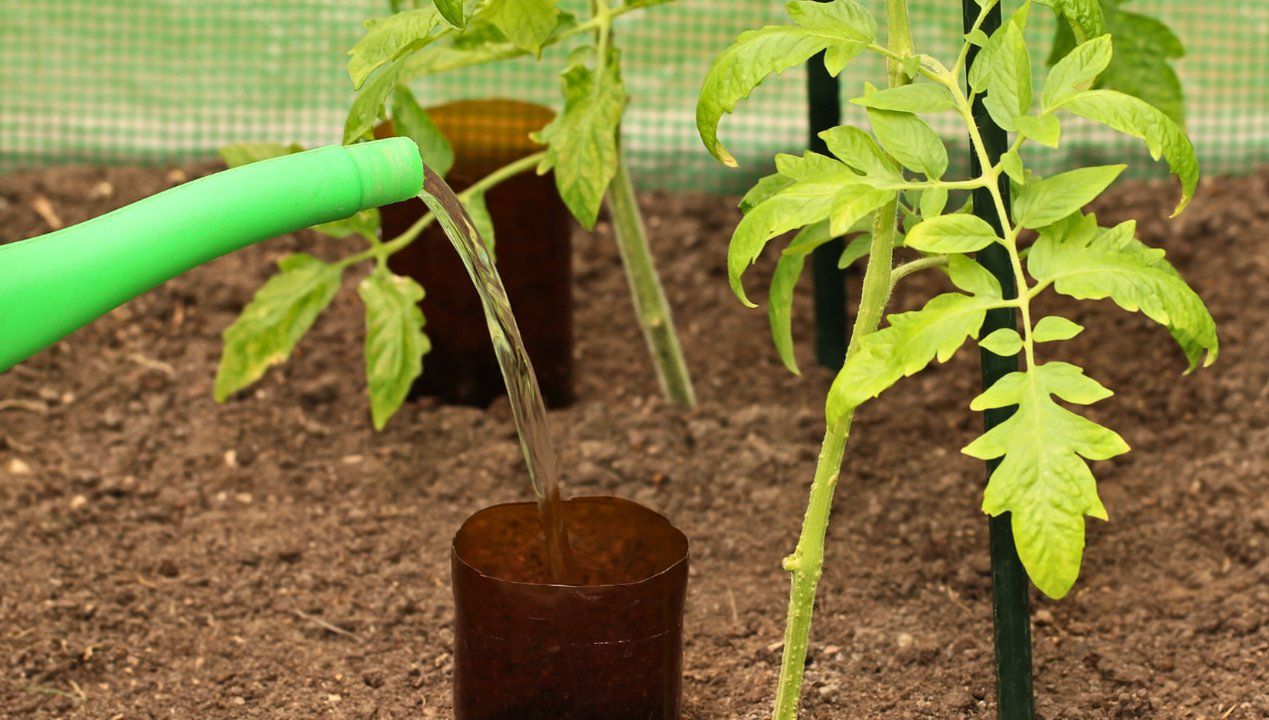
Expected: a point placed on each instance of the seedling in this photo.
(581, 146)
(871, 179)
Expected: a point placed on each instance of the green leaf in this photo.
(802, 203)
(1133, 116)
(1043, 480)
(367, 107)
(1044, 129)
(527, 23)
(1055, 327)
(395, 343)
(855, 250)
(951, 234)
(784, 281)
(1005, 342)
(757, 54)
(933, 201)
(274, 321)
(1084, 16)
(1076, 72)
(854, 203)
(1011, 163)
(910, 141)
(453, 11)
(1086, 262)
(916, 98)
(1141, 68)
(912, 341)
(966, 274)
(1052, 199)
(1008, 81)
(245, 153)
(765, 188)
(388, 38)
(478, 209)
(412, 121)
(582, 140)
(858, 150)
(364, 223)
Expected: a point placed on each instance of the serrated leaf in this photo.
(582, 140)
(857, 149)
(277, 317)
(395, 343)
(1133, 116)
(1044, 129)
(915, 98)
(410, 120)
(1083, 16)
(368, 105)
(1011, 163)
(1055, 327)
(784, 281)
(802, 203)
(933, 201)
(912, 341)
(765, 188)
(478, 209)
(910, 141)
(527, 23)
(388, 38)
(1086, 262)
(1008, 81)
(1043, 480)
(951, 234)
(855, 202)
(240, 154)
(966, 274)
(758, 54)
(1047, 201)
(1076, 72)
(1005, 342)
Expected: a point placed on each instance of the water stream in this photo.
(522, 385)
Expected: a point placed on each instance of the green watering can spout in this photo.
(54, 284)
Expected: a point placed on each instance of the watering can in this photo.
(54, 284)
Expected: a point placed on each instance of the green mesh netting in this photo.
(169, 80)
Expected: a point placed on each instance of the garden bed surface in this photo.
(163, 556)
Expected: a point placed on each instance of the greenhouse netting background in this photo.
(165, 81)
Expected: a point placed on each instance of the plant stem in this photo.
(806, 564)
(645, 286)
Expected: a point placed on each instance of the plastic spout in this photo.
(54, 284)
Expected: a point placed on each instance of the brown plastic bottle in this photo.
(607, 648)
(533, 231)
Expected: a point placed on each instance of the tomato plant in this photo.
(898, 170)
(581, 146)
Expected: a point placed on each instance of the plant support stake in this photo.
(1010, 607)
(824, 101)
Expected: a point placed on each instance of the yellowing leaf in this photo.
(1052, 199)
(951, 234)
(910, 141)
(527, 23)
(277, 317)
(388, 38)
(1043, 480)
(912, 341)
(395, 343)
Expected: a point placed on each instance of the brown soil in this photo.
(273, 557)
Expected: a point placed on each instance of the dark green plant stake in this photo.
(825, 113)
(1011, 611)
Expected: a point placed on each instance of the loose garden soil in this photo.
(162, 556)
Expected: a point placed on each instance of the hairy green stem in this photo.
(650, 304)
(806, 564)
